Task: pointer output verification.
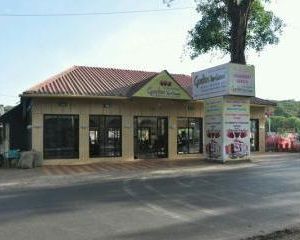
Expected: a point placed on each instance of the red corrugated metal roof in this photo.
(96, 81)
(260, 101)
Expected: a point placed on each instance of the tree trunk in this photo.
(238, 16)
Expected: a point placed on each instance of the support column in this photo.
(172, 141)
(227, 128)
(226, 90)
(84, 153)
(128, 137)
(37, 132)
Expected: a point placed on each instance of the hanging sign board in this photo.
(226, 79)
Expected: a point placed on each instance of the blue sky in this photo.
(34, 48)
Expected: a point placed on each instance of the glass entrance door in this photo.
(150, 137)
(254, 135)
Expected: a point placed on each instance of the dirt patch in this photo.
(287, 234)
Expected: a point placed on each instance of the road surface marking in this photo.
(154, 207)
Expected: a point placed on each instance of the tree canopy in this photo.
(286, 116)
(233, 26)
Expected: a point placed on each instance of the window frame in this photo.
(105, 116)
(135, 134)
(256, 139)
(188, 120)
(76, 155)
(2, 132)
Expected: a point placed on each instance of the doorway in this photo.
(150, 137)
(254, 135)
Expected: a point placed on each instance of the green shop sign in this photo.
(162, 86)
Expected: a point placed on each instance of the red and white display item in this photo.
(236, 149)
(213, 148)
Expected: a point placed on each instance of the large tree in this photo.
(233, 26)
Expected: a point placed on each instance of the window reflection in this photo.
(254, 135)
(61, 136)
(189, 136)
(150, 137)
(105, 136)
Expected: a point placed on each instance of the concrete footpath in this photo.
(151, 164)
(105, 170)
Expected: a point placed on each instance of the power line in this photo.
(90, 13)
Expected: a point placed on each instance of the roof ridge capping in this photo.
(132, 70)
(114, 68)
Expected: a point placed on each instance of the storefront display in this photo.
(61, 136)
(105, 136)
(189, 135)
(150, 137)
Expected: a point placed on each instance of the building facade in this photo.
(90, 114)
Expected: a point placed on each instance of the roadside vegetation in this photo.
(286, 117)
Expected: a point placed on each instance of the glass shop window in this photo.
(61, 136)
(105, 139)
(189, 135)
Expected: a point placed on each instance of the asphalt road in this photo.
(225, 202)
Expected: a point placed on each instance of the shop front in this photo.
(85, 130)
(189, 135)
(150, 137)
(105, 136)
(150, 118)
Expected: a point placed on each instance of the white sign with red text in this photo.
(226, 79)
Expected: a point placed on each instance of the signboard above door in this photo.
(226, 79)
(162, 85)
